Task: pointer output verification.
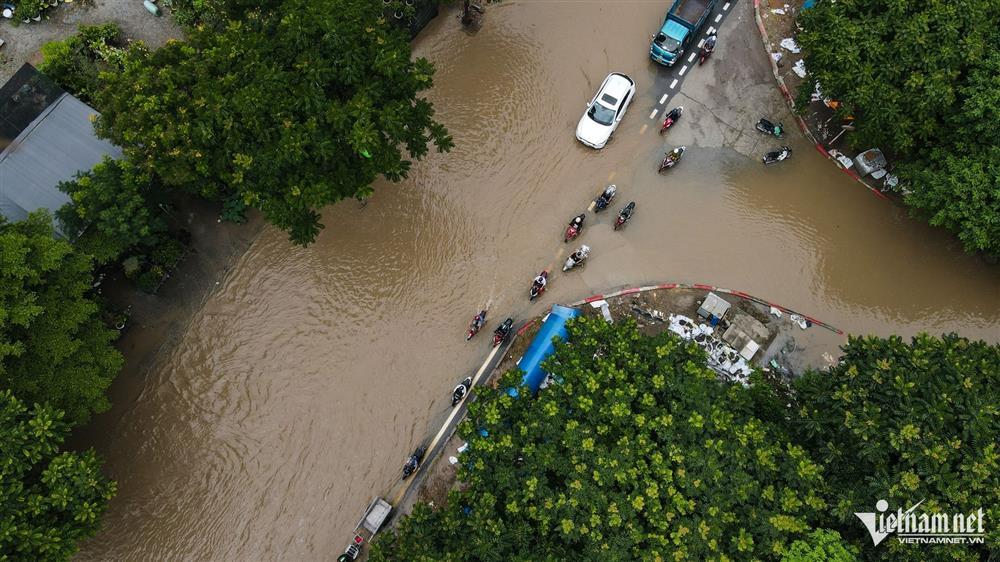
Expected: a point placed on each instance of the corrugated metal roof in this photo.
(53, 148)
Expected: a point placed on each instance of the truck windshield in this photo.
(666, 43)
(601, 114)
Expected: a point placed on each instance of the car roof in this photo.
(617, 85)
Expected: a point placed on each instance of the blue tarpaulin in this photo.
(541, 347)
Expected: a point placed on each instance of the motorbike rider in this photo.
(675, 113)
(580, 255)
(479, 320)
(626, 212)
(503, 329)
(605, 197)
(578, 221)
(539, 283)
(709, 47)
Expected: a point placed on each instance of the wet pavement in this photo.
(297, 392)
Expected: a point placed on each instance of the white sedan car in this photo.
(606, 110)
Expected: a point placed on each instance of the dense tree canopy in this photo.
(904, 422)
(923, 78)
(53, 347)
(114, 202)
(640, 453)
(49, 500)
(289, 111)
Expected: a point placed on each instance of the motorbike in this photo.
(769, 128)
(707, 49)
(577, 258)
(671, 118)
(413, 463)
(501, 333)
(671, 158)
(604, 199)
(777, 155)
(575, 226)
(460, 391)
(477, 323)
(624, 215)
(539, 288)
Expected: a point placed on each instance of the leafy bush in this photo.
(149, 280)
(167, 253)
(28, 9)
(76, 62)
(52, 499)
(234, 210)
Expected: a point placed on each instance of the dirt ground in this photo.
(24, 40)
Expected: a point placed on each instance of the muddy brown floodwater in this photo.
(297, 391)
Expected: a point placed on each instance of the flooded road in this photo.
(297, 391)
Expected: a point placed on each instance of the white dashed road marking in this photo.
(663, 99)
(726, 7)
(653, 114)
(683, 70)
(717, 18)
(691, 58)
(710, 31)
(672, 84)
(701, 43)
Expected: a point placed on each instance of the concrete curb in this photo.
(700, 286)
(791, 105)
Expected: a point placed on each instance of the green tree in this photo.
(290, 111)
(76, 62)
(639, 453)
(922, 78)
(53, 347)
(822, 545)
(49, 500)
(907, 422)
(113, 210)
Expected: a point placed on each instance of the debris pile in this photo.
(722, 358)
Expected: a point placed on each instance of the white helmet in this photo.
(585, 249)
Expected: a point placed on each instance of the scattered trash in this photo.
(605, 310)
(779, 11)
(453, 460)
(830, 361)
(790, 45)
(802, 322)
(653, 315)
(817, 94)
(800, 68)
(722, 358)
(844, 160)
(776, 312)
(776, 57)
(463, 448)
